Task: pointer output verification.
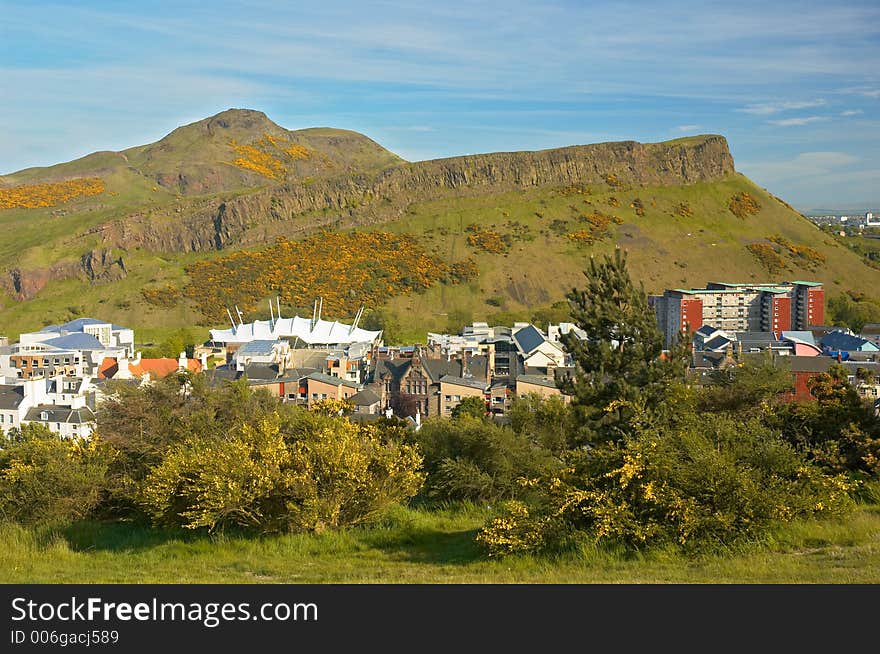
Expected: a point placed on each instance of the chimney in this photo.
(490, 364)
(465, 363)
(203, 359)
(181, 361)
(137, 358)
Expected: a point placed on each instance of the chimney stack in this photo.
(490, 364)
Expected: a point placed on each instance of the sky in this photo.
(793, 86)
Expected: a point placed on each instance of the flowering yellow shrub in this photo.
(743, 205)
(33, 196)
(487, 239)
(310, 472)
(768, 256)
(598, 228)
(269, 155)
(346, 269)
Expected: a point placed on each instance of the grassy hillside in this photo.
(529, 242)
(666, 249)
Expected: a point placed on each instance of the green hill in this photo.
(138, 236)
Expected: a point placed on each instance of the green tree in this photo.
(619, 361)
(384, 320)
(471, 458)
(473, 406)
(47, 479)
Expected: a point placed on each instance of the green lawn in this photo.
(417, 546)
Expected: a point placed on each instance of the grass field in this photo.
(416, 546)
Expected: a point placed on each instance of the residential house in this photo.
(455, 389)
(65, 421)
(871, 332)
(320, 386)
(543, 385)
(536, 350)
(366, 402)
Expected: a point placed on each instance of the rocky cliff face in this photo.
(94, 266)
(299, 207)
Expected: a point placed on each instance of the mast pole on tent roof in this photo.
(278, 305)
(230, 319)
(240, 316)
(314, 313)
(271, 316)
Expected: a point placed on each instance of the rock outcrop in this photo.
(294, 208)
(94, 266)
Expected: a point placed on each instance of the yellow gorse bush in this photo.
(33, 196)
(269, 155)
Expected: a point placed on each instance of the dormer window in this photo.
(44, 415)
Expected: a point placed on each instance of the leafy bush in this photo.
(372, 265)
(306, 472)
(742, 205)
(710, 480)
(47, 479)
(473, 459)
(32, 196)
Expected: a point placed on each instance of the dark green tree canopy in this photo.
(620, 361)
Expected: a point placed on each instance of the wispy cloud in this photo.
(797, 122)
(686, 128)
(851, 112)
(769, 108)
(804, 165)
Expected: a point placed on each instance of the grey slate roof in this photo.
(11, 397)
(538, 380)
(330, 379)
(528, 339)
(706, 330)
(60, 414)
(365, 397)
(717, 343)
(75, 342)
(464, 381)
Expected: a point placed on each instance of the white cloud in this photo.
(687, 128)
(851, 112)
(804, 166)
(797, 122)
(769, 108)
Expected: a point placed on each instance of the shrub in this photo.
(487, 239)
(308, 473)
(742, 205)
(346, 269)
(47, 479)
(32, 196)
(768, 256)
(684, 210)
(474, 459)
(708, 481)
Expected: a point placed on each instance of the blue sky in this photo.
(794, 86)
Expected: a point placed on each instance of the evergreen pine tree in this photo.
(618, 366)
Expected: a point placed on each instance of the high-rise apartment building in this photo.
(771, 307)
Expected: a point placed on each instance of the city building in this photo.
(775, 307)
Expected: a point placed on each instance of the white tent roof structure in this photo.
(314, 332)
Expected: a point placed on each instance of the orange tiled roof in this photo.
(161, 367)
(108, 368)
